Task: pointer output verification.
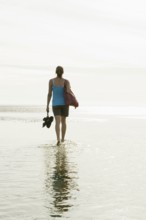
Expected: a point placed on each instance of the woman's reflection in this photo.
(61, 183)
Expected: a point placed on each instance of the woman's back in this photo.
(58, 81)
(58, 91)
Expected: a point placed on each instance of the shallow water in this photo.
(98, 173)
(37, 181)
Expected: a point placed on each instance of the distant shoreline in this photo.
(81, 111)
(22, 108)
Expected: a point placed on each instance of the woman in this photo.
(60, 110)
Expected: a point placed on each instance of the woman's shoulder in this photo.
(51, 80)
(66, 80)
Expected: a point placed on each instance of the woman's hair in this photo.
(59, 71)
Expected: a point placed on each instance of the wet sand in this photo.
(98, 173)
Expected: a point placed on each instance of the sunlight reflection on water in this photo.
(99, 175)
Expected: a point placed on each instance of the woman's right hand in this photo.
(47, 109)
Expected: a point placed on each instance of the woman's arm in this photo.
(49, 95)
(68, 88)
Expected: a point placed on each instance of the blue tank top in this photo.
(58, 95)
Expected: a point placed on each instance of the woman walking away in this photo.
(60, 110)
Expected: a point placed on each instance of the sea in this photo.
(99, 172)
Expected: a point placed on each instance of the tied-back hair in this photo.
(59, 71)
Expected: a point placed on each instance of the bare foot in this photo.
(58, 143)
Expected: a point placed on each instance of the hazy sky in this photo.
(72, 33)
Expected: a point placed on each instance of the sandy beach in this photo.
(98, 173)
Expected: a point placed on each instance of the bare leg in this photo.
(63, 121)
(57, 128)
